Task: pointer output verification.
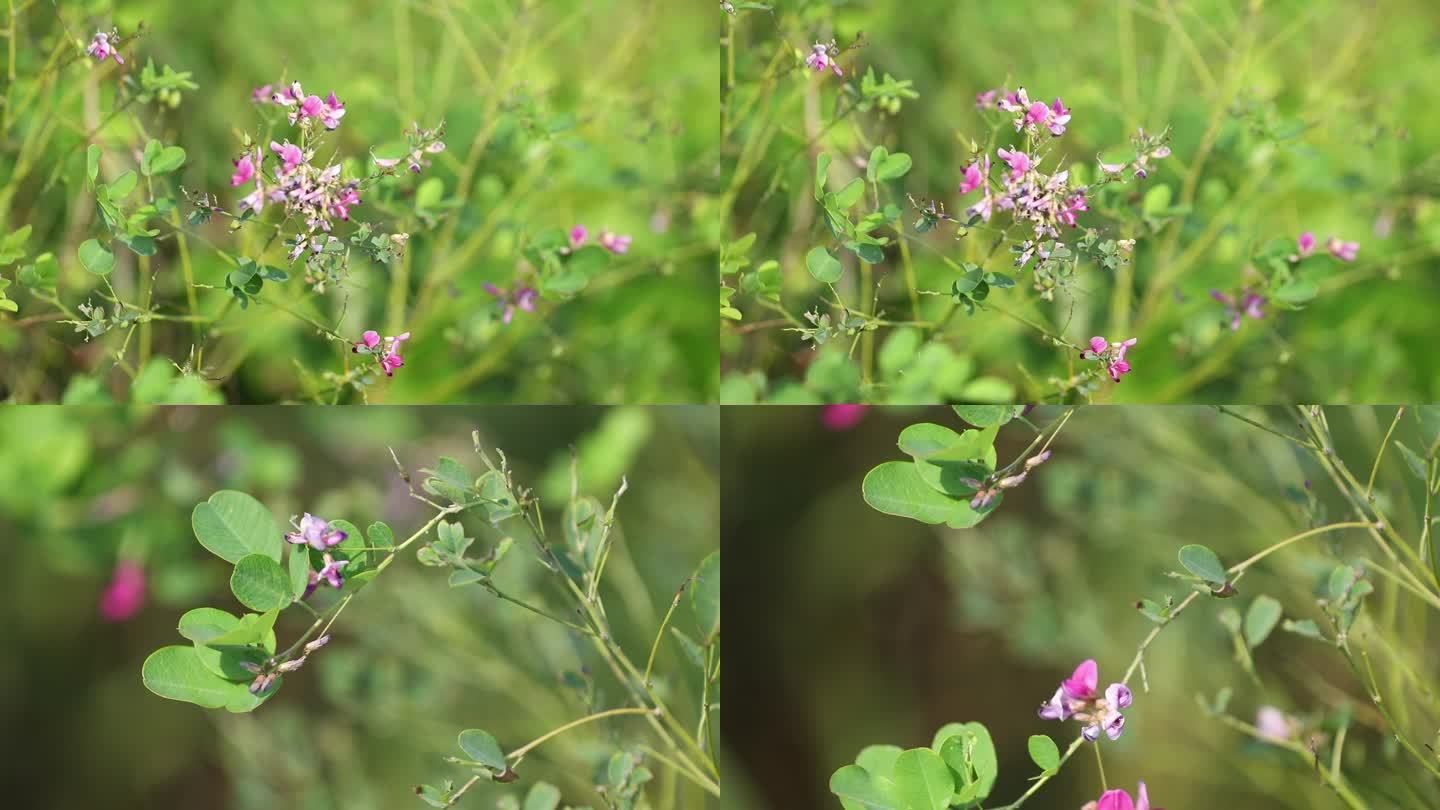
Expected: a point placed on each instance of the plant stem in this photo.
(1374, 468)
(519, 753)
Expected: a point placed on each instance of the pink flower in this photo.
(261, 95)
(1344, 251)
(1057, 117)
(125, 594)
(1018, 161)
(290, 155)
(1078, 697)
(344, 201)
(387, 348)
(1120, 800)
(819, 59)
(975, 175)
(1305, 244)
(986, 100)
(316, 533)
(842, 417)
(332, 111)
(1014, 102)
(1073, 204)
(1035, 115)
(244, 171)
(1252, 305)
(1110, 355)
(311, 107)
(578, 235)
(331, 571)
(100, 48)
(614, 243)
(524, 298)
(1274, 725)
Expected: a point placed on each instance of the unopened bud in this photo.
(1011, 482)
(317, 644)
(1036, 460)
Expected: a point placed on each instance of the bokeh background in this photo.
(413, 661)
(1311, 114)
(599, 112)
(863, 628)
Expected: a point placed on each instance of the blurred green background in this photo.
(1311, 114)
(598, 112)
(413, 661)
(862, 628)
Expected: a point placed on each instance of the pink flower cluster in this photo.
(1247, 305)
(1340, 249)
(613, 242)
(1078, 697)
(822, 58)
(1120, 800)
(1046, 202)
(302, 107)
(388, 350)
(1110, 355)
(1030, 116)
(101, 47)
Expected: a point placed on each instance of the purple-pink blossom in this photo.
(1274, 725)
(1110, 355)
(842, 417)
(1017, 160)
(614, 242)
(1305, 244)
(101, 48)
(820, 60)
(1249, 305)
(316, 533)
(244, 171)
(522, 298)
(387, 349)
(125, 594)
(1078, 697)
(975, 175)
(1120, 800)
(290, 156)
(578, 235)
(1342, 250)
(331, 571)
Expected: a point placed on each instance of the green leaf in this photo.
(92, 162)
(922, 780)
(1044, 752)
(896, 488)
(879, 760)
(822, 169)
(705, 597)
(481, 747)
(202, 624)
(1296, 291)
(894, 167)
(40, 274)
(877, 157)
(169, 159)
(96, 257)
(175, 673)
(1261, 618)
(428, 195)
(850, 194)
(983, 416)
(123, 185)
(260, 583)
(1305, 627)
(823, 266)
(232, 524)
(152, 151)
(12, 247)
(252, 628)
(1417, 465)
(858, 789)
(967, 747)
(1203, 563)
(542, 796)
(299, 569)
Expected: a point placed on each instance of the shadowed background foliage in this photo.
(863, 628)
(413, 661)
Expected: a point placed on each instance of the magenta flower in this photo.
(262, 94)
(244, 171)
(1305, 244)
(388, 349)
(316, 533)
(842, 417)
(1057, 117)
(578, 235)
(311, 107)
(344, 201)
(331, 111)
(125, 594)
(523, 298)
(975, 175)
(1073, 204)
(1251, 305)
(1344, 251)
(820, 59)
(101, 48)
(986, 100)
(1018, 101)
(290, 155)
(1018, 161)
(1078, 697)
(1120, 800)
(331, 572)
(613, 242)
(1035, 115)
(1110, 355)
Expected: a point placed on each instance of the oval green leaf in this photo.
(705, 598)
(823, 266)
(897, 488)
(1261, 618)
(1044, 752)
(1202, 562)
(96, 258)
(922, 780)
(481, 747)
(175, 673)
(858, 789)
(232, 524)
(260, 583)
